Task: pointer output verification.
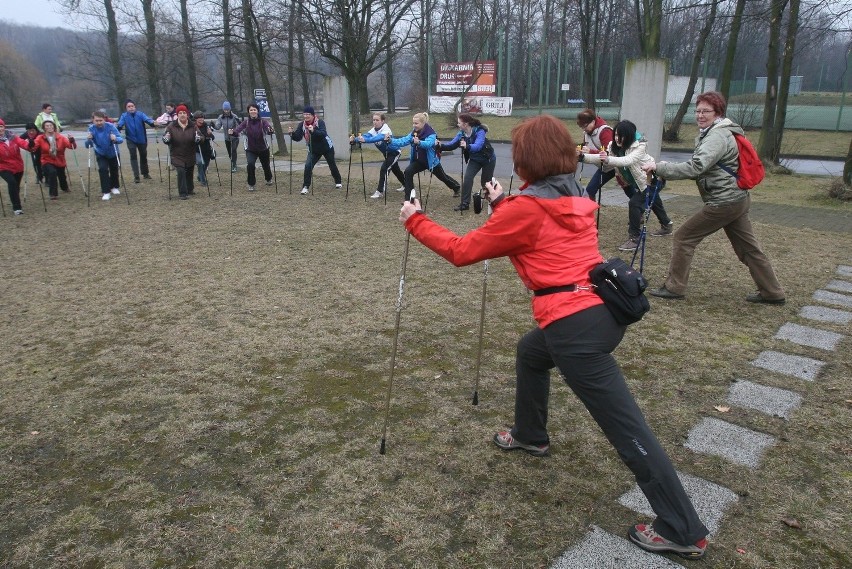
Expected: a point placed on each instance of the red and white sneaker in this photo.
(645, 537)
(505, 441)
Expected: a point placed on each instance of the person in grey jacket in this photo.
(228, 121)
(725, 204)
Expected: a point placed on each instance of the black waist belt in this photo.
(554, 290)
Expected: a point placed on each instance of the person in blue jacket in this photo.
(477, 152)
(391, 163)
(103, 137)
(424, 156)
(133, 122)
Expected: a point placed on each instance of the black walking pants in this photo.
(251, 160)
(142, 163)
(14, 183)
(438, 171)
(581, 346)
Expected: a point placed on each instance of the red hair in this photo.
(542, 147)
(716, 100)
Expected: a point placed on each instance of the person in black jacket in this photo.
(204, 149)
(312, 129)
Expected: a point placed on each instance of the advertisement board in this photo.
(476, 78)
(500, 106)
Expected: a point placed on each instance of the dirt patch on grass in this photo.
(202, 383)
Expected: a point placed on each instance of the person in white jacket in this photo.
(626, 155)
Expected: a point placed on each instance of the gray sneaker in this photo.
(629, 245)
(645, 537)
(505, 441)
(664, 230)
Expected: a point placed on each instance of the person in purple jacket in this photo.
(255, 143)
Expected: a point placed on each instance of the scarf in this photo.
(51, 140)
(307, 132)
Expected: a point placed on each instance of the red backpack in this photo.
(750, 171)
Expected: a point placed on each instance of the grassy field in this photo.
(202, 384)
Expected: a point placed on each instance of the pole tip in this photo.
(476, 398)
(382, 447)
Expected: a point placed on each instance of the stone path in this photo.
(735, 443)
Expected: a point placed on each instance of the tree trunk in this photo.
(114, 54)
(291, 70)
(649, 22)
(389, 81)
(227, 45)
(190, 58)
(767, 132)
(672, 133)
(303, 66)
(728, 66)
(255, 44)
(151, 55)
(786, 72)
(847, 167)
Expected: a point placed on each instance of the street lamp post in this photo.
(240, 81)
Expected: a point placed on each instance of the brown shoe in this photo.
(664, 230)
(759, 299)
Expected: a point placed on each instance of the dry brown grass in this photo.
(202, 384)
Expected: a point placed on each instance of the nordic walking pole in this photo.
(349, 171)
(481, 319)
(201, 165)
(216, 162)
(25, 180)
(80, 172)
(159, 165)
(396, 333)
(121, 172)
(41, 189)
(291, 163)
(89, 177)
(363, 179)
(428, 187)
(272, 161)
(643, 235)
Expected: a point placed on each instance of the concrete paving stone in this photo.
(844, 271)
(824, 314)
(602, 550)
(710, 500)
(807, 336)
(769, 400)
(797, 366)
(732, 442)
(833, 298)
(840, 286)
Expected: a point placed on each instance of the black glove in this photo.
(581, 157)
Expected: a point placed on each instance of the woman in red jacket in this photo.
(548, 232)
(11, 165)
(53, 145)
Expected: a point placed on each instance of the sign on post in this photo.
(262, 103)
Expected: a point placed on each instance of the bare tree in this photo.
(672, 132)
(649, 17)
(189, 53)
(151, 68)
(355, 36)
(728, 66)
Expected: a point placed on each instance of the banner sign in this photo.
(262, 103)
(477, 78)
(500, 106)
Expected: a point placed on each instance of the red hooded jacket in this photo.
(548, 232)
(10, 154)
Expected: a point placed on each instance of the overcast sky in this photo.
(33, 12)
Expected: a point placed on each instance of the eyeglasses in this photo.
(704, 111)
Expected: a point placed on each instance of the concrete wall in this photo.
(644, 100)
(336, 113)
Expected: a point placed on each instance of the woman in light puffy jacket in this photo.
(627, 156)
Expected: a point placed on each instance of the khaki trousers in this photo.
(733, 218)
